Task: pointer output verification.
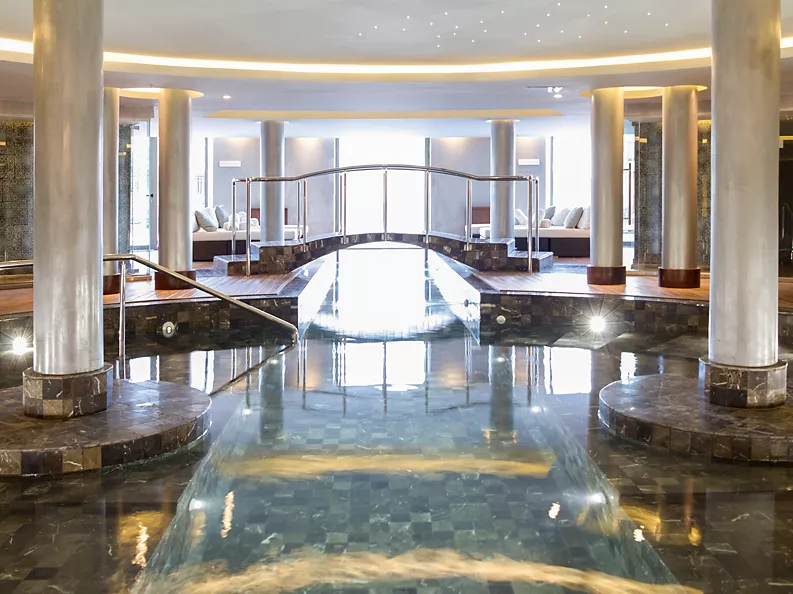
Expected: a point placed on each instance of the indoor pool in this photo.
(389, 451)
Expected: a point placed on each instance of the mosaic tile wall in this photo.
(649, 194)
(16, 191)
(124, 186)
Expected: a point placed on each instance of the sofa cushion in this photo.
(571, 221)
(221, 215)
(549, 212)
(520, 217)
(207, 219)
(545, 224)
(557, 220)
(586, 219)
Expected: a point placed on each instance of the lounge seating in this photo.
(208, 244)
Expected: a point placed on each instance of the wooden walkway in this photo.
(636, 286)
(17, 301)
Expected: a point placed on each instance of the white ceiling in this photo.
(327, 31)
(394, 31)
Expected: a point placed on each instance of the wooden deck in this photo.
(636, 286)
(17, 301)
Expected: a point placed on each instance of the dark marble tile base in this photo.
(163, 282)
(143, 420)
(605, 275)
(281, 257)
(66, 396)
(111, 284)
(743, 387)
(668, 411)
(679, 278)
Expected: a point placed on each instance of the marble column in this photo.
(743, 367)
(69, 376)
(502, 194)
(679, 268)
(273, 164)
(110, 133)
(175, 211)
(608, 130)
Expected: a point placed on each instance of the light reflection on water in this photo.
(402, 462)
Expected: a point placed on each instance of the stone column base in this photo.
(66, 396)
(679, 278)
(605, 275)
(743, 387)
(111, 284)
(163, 282)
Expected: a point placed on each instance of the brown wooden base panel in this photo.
(111, 284)
(605, 275)
(679, 278)
(163, 282)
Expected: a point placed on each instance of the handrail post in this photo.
(233, 218)
(305, 215)
(469, 193)
(122, 321)
(529, 233)
(344, 238)
(427, 208)
(385, 204)
(248, 228)
(537, 211)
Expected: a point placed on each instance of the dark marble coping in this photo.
(667, 411)
(324, 236)
(144, 420)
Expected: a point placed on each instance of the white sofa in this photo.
(208, 244)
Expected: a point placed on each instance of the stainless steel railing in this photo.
(302, 201)
(122, 324)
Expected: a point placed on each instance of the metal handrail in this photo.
(122, 330)
(302, 201)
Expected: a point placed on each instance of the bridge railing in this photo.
(532, 200)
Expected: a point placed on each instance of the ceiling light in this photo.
(359, 34)
(431, 24)
(404, 29)
(481, 22)
(485, 30)
(439, 45)
(446, 13)
(557, 96)
(375, 26)
(555, 89)
(538, 41)
(408, 16)
(502, 12)
(455, 33)
(625, 31)
(579, 37)
(456, 27)
(227, 96)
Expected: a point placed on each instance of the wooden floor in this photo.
(16, 301)
(636, 286)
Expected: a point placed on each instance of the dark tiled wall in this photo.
(16, 190)
(649, 193)
(124, 186)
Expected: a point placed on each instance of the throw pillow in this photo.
(221, 215)
(586, 219)
(549, 212)
(206, 219)
(520, 217)
(557, 220)
(573, 217)
(195, 226)
(545, 223)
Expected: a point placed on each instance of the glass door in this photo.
(141, 207)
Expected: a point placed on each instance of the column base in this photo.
(163, 282)
(743, 387)
(679, 278)
(111, 284)
(605, 275)
(66, 396)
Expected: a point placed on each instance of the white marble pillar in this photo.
(679, 264)
(175, 211)
(742, 368)
(110, 133)
(273, 164)
(608, 131)
(502, 194)
(67, 277)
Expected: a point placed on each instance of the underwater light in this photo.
(19, 346)
(597, 324)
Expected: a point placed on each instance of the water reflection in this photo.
(390, 458)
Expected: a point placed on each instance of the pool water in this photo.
(389, 451)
